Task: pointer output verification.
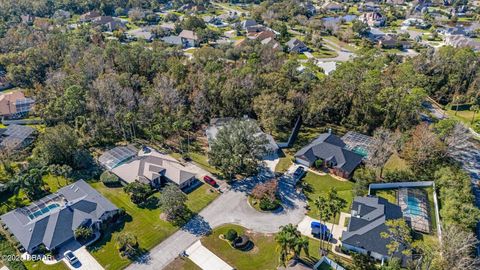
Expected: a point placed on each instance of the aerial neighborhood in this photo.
(248, 135)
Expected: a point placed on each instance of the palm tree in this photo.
(325, 213)
(336, 204)
(290, 243)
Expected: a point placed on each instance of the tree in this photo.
(267, 190)
(83, 233)
(325, 213)
(458, 208)
(400, 236)
(31, 182)
(362, 262)
(474, 109)
(127, 244)
(363, 177)
(139, 193)
(458, 249)
(453, 134)
(57, 145)
(290, 243)
(360, 28)
(172, 202)
(424, 150)
(238, 148)
(384, 145)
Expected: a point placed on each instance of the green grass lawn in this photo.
(317, 185)
(201, 160)
(464, 116)
(396, 163)
(201, 197)
(325, 53)
(39, 265)
(284, 163)
(340, 43)
(183, 264)
(264, 254)
(388, 194)
(54, 182)
(142, 222)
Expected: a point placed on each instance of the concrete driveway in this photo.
(230, 207)
(87, 261)
(206, 259)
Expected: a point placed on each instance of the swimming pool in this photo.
(44, 210)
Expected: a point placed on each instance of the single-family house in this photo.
(89, 16)
(331, 150)
(144, 33)
(296, 45)
(333, 7)
(61, 14)
(373, 19)
(218, 123)
(461, 41)
(392, 42)
(367, 223)
(189, 38)
(52, 221)
(369, 7)
(153, 168)
(15, 105)
(16, 137)
(261, 35)
(108, 23)
(27, 19)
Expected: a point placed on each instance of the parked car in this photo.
(72, 259)
(320, 230)
(209, 180)
(299, 173)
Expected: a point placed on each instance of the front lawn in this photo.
(201, 197)
(39, 265)
(464, 116)
(142, 222)
(201, 159)
(317, 185)
(284, 163)
(264, 254)
(182, 263)
(395, 163)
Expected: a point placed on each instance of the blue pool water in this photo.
(44, 210)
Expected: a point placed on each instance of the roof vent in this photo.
(72, 186)
(76, 189)
(329, 131)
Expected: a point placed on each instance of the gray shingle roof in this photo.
(15, 135)
(368, 222)
(76, 204)
(330, 147)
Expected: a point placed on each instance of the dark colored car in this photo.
(209, 180)
(299, 173)
(71, 258)
(320, 230)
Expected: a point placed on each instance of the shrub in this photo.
(83, 233)
(231, 235)
(268, 205)
(109, 179)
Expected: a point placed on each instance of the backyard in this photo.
(142, 222)
(316, 185)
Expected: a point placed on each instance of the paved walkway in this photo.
(206, 259)
(230, 207)
(4, 268)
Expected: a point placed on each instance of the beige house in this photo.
(14, 104)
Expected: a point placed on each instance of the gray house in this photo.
(52, 221)
(296, 45)
(15, 137)
(154, 168)
(367, 222)
(333, 152)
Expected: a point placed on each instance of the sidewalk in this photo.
(206, 259)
